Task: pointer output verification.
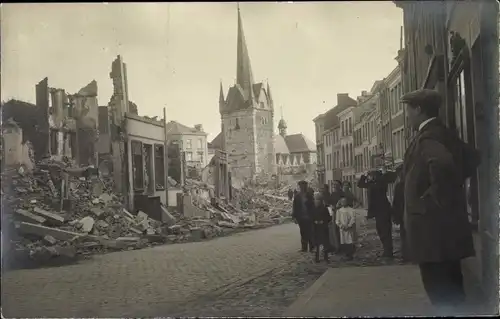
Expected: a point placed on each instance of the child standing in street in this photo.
(321, 217)
(346, 221)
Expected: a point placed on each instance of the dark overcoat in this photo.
(320, 217)
(302, 212)
(435, 167)
(378, 203)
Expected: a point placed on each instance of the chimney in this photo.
(198, 127)
(343, 98)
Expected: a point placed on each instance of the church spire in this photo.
(282, 124)
(221, 93)
(244, 75)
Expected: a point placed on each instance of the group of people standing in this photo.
(429, 204)
(326, 219)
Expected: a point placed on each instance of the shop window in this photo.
(137, 165)
(461, 118)
(148, 168)
(159, 167)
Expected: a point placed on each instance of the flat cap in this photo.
(302, 183)
(423, 97)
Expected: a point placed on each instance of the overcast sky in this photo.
(176, 54)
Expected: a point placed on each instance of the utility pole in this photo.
(165, 155)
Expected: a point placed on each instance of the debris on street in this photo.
(55, 210)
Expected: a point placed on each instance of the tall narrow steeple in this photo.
(244, 75)
(282, 124)
(221, 94)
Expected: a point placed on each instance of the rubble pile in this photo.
(56, 210)
(251, 207)
(46, 219)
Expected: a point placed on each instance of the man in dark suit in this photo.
(438, 231)
(303, 205)
(379, 206)
(398, 210)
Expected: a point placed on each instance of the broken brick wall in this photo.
(15, 151)
(30, 119)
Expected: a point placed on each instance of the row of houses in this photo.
(451, 47)
(128, 147)
(362, 134)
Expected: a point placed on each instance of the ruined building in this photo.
(247, 114)
(58, 124)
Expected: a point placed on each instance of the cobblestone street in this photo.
(135, 282)
(256, 273)
(274, 291)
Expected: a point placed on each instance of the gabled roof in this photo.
(280, 146)
(176, 128)
(257, 88)
(216, 142)
(299, 143)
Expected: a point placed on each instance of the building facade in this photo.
(146, 165)
(192, 142)
(346, 119)
(452, 47)
(329, 135)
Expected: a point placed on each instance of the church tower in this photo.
(247, 119)
(282, 125)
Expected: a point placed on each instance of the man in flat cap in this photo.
(436, 165)
(303, 204)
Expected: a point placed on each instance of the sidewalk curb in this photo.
(304, 298)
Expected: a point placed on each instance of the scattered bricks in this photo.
(197, 233)
(128, 239)
(26, 216)
(174, 229)
(97, 211)
(150, 231)
(223, 223)
(141, 216)
(171, 238)
(87, 224)
(52, 219)
(207, 233)
(42, 231)
(68, 205)
(127, 214)
(155, 238)
(50, 240)
(101, 224)
(135, 230)
(97, 188)
(166, 217)
(105, 198)
(95, 201)
(53, 189)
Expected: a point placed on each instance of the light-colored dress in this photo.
(332, 231)
(346, 220)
